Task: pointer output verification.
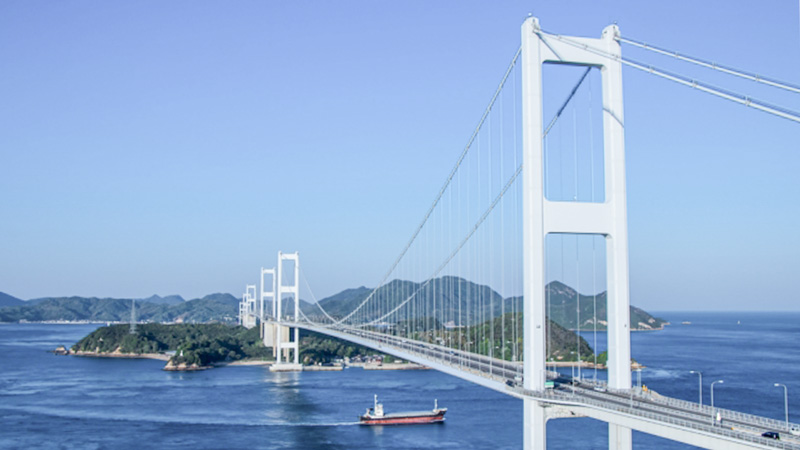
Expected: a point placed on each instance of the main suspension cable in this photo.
(686, 81)
(444, 187)
(447, 183)
(458, 248)
(485, 214)
(712, 65)
(303, 275)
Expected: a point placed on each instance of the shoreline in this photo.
(310, 368)
(240, 363)
(589, 330)
(395, 366)
(158, 356)
(248, 362)
(588, 365)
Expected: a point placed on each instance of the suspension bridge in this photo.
(537, 194)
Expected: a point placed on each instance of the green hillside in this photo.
(214, 307)
(566, 306)
(505, 332)
(207, 344)
(455, 297)
(446, 293)
(9, 300)
(200, 344)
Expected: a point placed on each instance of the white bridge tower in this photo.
(542, 217)
(283, 336)
(247, 307)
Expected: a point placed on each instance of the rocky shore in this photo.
(170, 366)
(118, 354)
(183, 367)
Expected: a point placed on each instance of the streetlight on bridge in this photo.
(785, 401)
(712, 399)
(700, 385)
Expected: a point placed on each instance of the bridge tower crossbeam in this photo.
(542, 216)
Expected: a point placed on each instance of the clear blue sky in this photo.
(174, 147)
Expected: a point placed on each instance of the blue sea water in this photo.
(59, 402)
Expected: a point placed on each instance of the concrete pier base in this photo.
(286, 367)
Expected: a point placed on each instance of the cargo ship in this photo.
(377, 416)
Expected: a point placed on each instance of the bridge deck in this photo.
(648, 412)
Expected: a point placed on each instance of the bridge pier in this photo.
(534, 435)
(270, 331)
(619, 437)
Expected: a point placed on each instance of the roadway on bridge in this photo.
(506, 377)
(734, 424)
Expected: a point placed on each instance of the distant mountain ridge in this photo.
(453, 296)
(9, 300)
(567, 307)
(211, 308)
(168, 300)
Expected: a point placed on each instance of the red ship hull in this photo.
(434, 418)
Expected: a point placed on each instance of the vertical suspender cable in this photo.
(577, 247)
(478, 253)
(460, 322)
(515, 354)
(548, 325)
(503, 289)
(594, 238)
(490, 255)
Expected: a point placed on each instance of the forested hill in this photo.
(8, 300)
(567, 307)
(211, 308)
(207, 344)
(199, 344)
(453, 294)
(202, 345)
(214, 307)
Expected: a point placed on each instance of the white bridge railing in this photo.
(661, 415)
(727, 414)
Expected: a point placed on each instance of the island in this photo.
(190, 347)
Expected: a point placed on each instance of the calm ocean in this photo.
(58, 402)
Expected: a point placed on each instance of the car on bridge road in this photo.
(771, 434)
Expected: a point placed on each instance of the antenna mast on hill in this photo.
(133, 316)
